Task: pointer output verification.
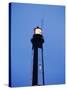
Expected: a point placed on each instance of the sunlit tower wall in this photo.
(38, 61)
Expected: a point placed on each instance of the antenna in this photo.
(42, 23)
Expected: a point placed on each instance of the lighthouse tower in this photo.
(38, 62)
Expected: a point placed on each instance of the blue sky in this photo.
(24, 18)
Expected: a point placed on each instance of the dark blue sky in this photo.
(24, 18)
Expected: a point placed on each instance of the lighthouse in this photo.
(38, 60)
